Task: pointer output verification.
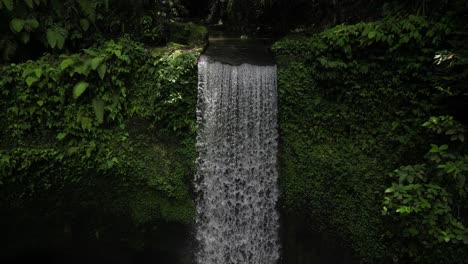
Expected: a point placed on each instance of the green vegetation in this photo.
(92, 133)
(30, 27)
(98, 124)
(426, 199)
(352, 103)
(188, 33)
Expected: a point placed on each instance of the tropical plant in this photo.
(426, 201)
(74, 24)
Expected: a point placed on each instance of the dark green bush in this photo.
(104, 134)
(352, 100)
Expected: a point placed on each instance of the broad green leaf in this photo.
(66, 63)
(32, 23)
(52, 38)
(17, 25)
(29, 3)
(40, 103)
(61, 136)
(79, 89)
(84, 24)
(102, 71)
(98, 105)
(73, 150)
(56, 37)
(27, 72)
(38, 72)
(96, 62)
(30, 80)
(404, 210)
(83, 69)
(372, 34)
(60, 41)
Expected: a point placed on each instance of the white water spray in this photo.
(236, 181)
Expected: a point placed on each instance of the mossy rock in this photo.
(188, 34)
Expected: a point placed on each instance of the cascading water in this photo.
(236, 182)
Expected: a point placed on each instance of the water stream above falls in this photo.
(236, 181)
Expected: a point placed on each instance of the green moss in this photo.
(163, 173)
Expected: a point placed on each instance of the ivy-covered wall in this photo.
(352, 103)
(97, 150)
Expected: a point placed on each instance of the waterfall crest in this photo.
(236, 180)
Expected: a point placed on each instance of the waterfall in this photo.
(236, 181)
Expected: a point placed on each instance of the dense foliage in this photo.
(107, 133)
(274, 16)
(30, 27)
(426, 200)
(97, 124)
(352, 102)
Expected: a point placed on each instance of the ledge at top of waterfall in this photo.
(236, 181)
(236, 51)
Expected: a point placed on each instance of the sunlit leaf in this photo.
(96, 62)
(102, 71)
(38, 72)
(32, 24)
(79, 89)
(66, 63)
(30, 80)
(17, 25)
